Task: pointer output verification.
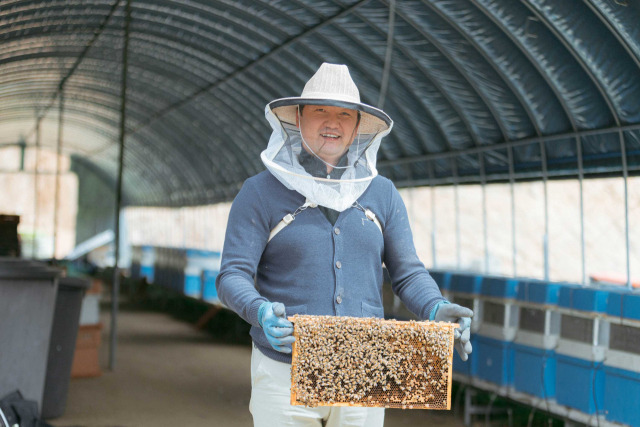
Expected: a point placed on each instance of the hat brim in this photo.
(372, 120)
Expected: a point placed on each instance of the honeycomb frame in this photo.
(350, 361)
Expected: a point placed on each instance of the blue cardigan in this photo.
(313, 267)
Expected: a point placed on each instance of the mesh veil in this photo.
(282, 158)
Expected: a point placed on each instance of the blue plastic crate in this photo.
(192, 286)
(209, 291)
(623, 303)
(621, 391)
(499, 287)
(468, 368)
(147, 271)
(538, 292)
(579, 384)
(565, 295)
(466, 283)
(493, 360)
(442, 278)
(631, 307)
(534, 371)
(590, 299)
(615, 302)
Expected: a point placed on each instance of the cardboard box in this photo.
(86, 362)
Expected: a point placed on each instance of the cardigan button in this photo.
(336, 230)
(338, 264)
(338, 299)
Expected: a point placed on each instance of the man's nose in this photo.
(332, 121)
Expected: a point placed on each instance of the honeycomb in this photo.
(349, 361)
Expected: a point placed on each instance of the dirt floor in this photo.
(168, 373)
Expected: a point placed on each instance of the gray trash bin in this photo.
(27, 302)
(62, 345)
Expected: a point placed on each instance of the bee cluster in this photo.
(339, 361)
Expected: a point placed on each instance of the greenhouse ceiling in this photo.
(480, 91)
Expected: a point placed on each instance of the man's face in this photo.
(329, 131)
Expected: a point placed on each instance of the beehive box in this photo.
(348, 361)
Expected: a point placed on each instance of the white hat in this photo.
(332, 85)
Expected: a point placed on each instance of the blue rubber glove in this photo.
(276, 327)
(454, 313)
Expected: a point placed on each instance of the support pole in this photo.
(514, 249)
(485, 231)
(457, 212)
(625, 176)
(36, 204)
(545, 176)
(56, 201)
(433, 216)
(115, 291)
(581, 182)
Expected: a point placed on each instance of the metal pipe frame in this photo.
(56, 202)
(115, 290)
(510, 144)
(512, 182)
(36, 205)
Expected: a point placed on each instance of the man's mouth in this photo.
(329, 135)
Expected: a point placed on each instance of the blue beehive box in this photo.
(493, 351)
(534, 363)
(621, 391)
(464, 289)
(579, 383)
(147, 262)
(468, 368)
(534, 371)
(442, 278)
(209, 292)
(499, 287)
(538, 292)
(493, 360)
(465, 283)
(580, 377)
(622, 365)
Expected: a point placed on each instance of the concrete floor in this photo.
(168, 373)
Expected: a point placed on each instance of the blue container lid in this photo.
(631, 306)
(539, 292)
(615, 302)
(442, 278)
(565, 297)
(500, 287)
(467, 283)
(590, 299)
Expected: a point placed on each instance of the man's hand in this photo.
(455, 313)
(276, 327)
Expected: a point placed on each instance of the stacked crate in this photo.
(536, 339)
(464, 289)
(582, 346)
(622, 362)
(86, 360)
(493, 348)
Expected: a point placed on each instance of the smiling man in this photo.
(282, 256)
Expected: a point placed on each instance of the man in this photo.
(310, 236)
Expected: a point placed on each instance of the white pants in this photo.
(271, 401)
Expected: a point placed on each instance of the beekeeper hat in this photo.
(332, 85)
